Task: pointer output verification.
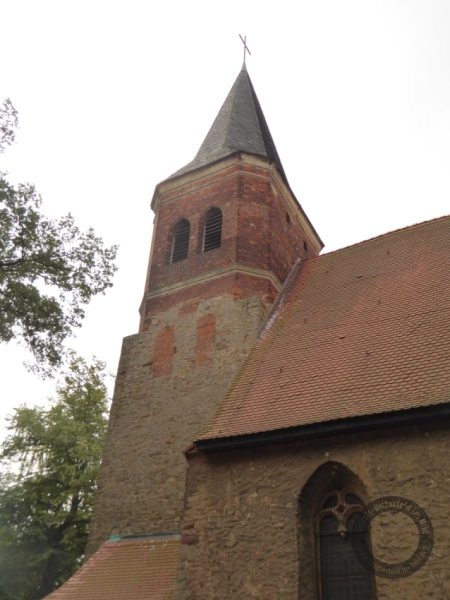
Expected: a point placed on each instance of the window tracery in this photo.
(341, 576)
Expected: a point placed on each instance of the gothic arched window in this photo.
(180, 242)
(212, 236)
(341, 576)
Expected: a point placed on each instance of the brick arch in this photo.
(328, 477)
(171, 234)
(202, 223)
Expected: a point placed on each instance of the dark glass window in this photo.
(330, 502)
(341, 575)
(212, 237)
(180, 243)
(351, 498)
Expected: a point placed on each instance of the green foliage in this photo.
(39, 254)
(8, 123)
(50, 466)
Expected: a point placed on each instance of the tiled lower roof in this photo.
(135, 569)
(360, 331)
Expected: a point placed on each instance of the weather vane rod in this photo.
(244, 41)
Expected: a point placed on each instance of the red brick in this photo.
(188, 309)
(164, 350)
(255, 234)
(206, 335)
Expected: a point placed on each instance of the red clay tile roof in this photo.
(138, 569)
(359, 331)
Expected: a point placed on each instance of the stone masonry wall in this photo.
(243, 532)
(241, 286)
(200, 318)
(169, 382)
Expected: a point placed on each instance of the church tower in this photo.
(227, 232)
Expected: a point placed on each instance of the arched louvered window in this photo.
(212, 236)
(180, 242)
(341, 576)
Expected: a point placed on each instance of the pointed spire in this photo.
(240, 126)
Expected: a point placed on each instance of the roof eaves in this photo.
(387, 420)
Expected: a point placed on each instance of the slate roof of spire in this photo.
(240, 126)
(361, 331)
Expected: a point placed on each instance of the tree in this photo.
(40, 255)
(50, 466)
(8, 124)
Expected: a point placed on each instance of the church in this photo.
(279, 426)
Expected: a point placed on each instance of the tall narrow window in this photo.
(180, 243)
(212, 237)
(341, 576)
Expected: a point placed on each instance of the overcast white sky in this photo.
(114, 96)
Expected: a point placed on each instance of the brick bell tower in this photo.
(228, 230)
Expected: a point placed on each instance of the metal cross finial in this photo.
(244, 41)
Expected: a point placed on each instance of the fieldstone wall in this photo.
(170, 380)
(248, 529)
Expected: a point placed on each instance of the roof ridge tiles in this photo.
(380, 236)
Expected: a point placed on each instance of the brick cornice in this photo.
(221, 171)
(215, 274)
